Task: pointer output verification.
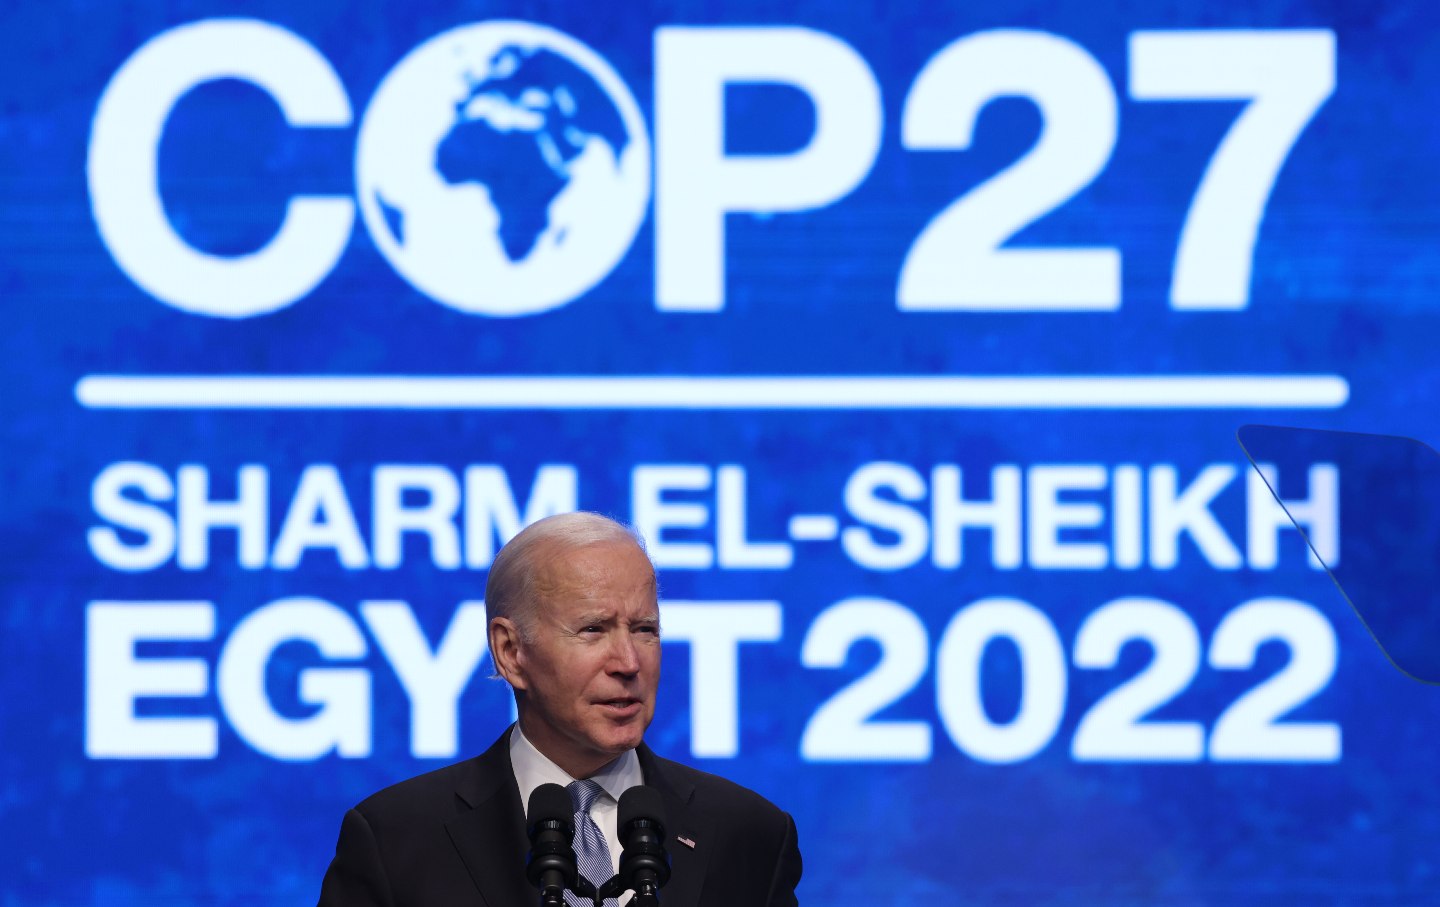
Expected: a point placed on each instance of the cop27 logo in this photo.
(503, 167)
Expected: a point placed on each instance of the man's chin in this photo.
(624, 733)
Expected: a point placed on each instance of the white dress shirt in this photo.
(533, 768)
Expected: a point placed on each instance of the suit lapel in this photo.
(687, 864)
(490, 833)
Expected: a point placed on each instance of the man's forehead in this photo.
(593, 572)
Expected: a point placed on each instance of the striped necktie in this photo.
(591, 852)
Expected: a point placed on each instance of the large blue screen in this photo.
(913, 337)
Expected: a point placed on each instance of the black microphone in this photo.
(550, 865)
(644, 864)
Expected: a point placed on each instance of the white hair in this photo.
(510, 587)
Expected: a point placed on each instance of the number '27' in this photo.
(958, 263)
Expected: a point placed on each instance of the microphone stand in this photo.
(647, 893)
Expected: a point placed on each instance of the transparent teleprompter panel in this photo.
(1386, 561)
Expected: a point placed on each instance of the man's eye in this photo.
(647, 628)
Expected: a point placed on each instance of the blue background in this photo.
(1345, 281)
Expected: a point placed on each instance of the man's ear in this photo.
(505, 649)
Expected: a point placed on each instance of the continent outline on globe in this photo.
(525, 189)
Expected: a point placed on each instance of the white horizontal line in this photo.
(813, 527)
(643, 392)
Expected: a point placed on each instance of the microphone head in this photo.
(642, 802)
(644, 864)
(550, 803)
(550, 865)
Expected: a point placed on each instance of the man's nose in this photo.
(624, 658)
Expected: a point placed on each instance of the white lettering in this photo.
(248, 514)
(1170, 515)
(1319, 514)
(107, 496)
(320, 517)
(1125, 517)
(115, 677)
(341, 724)
(1048, 515)
(864, 503)
(491, 511)
(714, 631)
(950, 514)
(435, 679)
(435, 518)
(123, 169)
(735, 551)
(652, 514)
(697, 184)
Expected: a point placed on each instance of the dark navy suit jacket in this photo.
(456, 836)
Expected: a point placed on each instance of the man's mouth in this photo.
(620, 707)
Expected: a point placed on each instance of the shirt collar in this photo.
(533, 768)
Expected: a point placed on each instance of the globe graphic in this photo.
(503, 168)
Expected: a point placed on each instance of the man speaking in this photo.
(574, 628)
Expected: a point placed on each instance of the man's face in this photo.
(590, 669)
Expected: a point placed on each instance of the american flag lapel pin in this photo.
(686, 841)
